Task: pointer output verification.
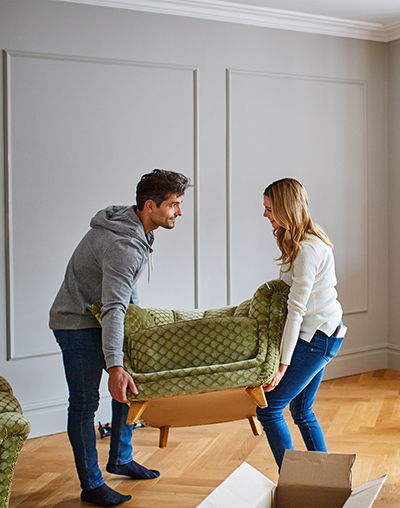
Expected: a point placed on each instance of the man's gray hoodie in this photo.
(105, 266)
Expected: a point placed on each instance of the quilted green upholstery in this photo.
(190, 344)
(136, 318)
(200, 351)
(170, 353)
(14, 429)
(161, 316)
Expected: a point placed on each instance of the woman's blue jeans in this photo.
(84, 364)
(298, 388)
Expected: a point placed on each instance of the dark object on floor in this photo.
(105, 430)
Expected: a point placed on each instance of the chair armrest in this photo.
(13, 424)
(5, 385)
(269, 307)
(14, 429)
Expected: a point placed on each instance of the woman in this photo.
(313, 331)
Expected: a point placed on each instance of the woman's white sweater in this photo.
(312, 302)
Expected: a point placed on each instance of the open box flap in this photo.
(244, 488)
(364, 496)
(316, 469)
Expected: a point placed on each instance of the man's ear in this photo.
(149, 206)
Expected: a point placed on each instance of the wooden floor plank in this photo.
(359, 414)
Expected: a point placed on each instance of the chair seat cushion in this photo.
(195, 343)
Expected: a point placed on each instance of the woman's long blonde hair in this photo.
(289, 206)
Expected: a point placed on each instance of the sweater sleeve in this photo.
(303, 276)
(122, 264)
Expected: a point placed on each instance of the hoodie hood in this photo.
(122, 220)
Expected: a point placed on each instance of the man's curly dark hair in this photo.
(159, 185)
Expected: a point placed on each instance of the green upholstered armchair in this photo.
(14, 429)
(196, 367)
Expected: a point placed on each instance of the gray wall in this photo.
(394, 204)
(96, 97)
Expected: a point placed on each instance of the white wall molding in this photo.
(50, 416)
(394, 357)
(257, 16)
(392, 32)
(351, 306)
(14, 350)
(357, 361)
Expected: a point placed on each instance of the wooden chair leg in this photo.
(164, 431)
(257, 394)
(135, 411)
(255, 426)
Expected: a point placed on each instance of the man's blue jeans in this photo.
(298, 388)
(84, 364)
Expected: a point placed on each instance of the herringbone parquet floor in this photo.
(359, 414)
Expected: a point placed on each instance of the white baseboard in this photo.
(358, 361)
(51, 418)
(394, 357)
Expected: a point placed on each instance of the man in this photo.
(106, 266)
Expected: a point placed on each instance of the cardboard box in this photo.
(307, 480)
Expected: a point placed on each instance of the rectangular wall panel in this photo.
(78, 138)
(306, 128)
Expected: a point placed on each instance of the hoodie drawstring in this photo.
(150, 265)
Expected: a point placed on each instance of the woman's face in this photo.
(268, 212)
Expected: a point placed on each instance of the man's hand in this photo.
(119, 380)
(277, 378)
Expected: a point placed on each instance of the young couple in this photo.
(106, 266)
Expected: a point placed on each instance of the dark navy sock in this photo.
(133, 470)
(104, 496)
